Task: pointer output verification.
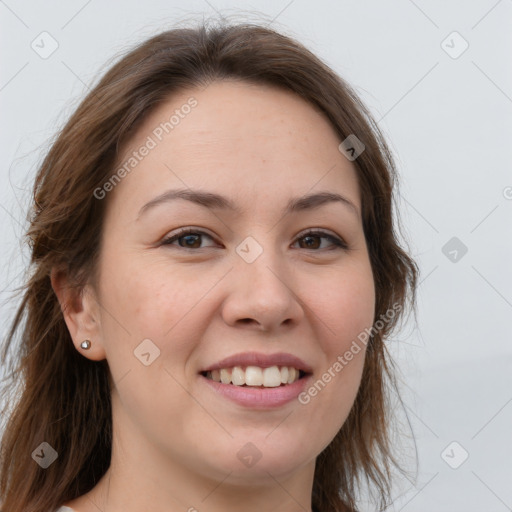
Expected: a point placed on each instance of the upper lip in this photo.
(261, 360)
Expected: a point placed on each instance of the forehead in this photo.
(240, 139)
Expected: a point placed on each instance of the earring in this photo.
(86, 344)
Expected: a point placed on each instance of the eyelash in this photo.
(337, 242)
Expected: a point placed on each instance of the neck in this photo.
(142, 477)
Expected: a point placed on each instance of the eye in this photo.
(191, 238)
(310, 236)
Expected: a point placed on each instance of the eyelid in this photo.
(191, 230)
(318, 231)
(338, 241)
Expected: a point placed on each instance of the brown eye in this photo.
(190, 241)
(187, 239)
(312, 240)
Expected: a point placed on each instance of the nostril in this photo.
(247, 321)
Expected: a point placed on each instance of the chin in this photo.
(257, 461)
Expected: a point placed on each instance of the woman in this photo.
(215, 272)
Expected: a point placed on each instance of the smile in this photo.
(255, 376)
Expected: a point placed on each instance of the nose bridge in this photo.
(261, 262)
(261, 288)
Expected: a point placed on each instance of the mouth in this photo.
(258, 381)
(255, 376)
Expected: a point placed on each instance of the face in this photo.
(251, 284)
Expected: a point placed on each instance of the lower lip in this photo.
(259, 398)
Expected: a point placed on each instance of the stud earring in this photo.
(86, 344)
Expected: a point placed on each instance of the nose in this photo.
(262, 295)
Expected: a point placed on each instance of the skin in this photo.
(175, 440)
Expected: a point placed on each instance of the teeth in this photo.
(238, 376)
(271, 377)
(253, 376)
(225, 376)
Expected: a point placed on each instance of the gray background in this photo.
(447, 117)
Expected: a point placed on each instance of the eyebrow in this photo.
(215, 201)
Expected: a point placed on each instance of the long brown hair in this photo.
(62, 398)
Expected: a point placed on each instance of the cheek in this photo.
(150, 298)
(346, 304)
(155, 301)
(146, 313)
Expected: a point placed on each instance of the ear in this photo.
(81, 313)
